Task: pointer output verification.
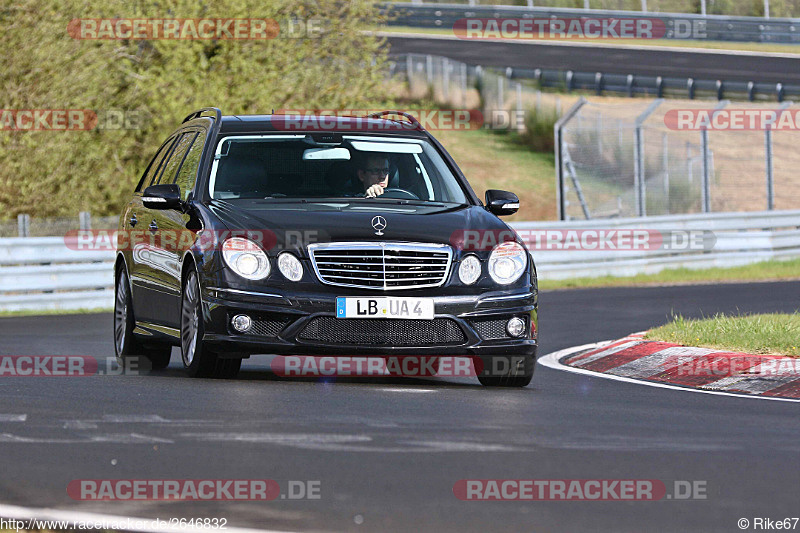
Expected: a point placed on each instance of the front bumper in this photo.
(297, 323)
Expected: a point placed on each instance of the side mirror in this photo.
(501, 202)
(164, 196)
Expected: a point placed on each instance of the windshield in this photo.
(294, 166)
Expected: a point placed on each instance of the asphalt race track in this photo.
(387, 453)
(644, 61)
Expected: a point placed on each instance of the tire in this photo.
(126, 347)
(506, 370)
(198, 360)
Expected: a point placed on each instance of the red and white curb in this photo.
(672, 366)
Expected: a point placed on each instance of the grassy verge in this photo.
(763, 271)
(777, 334)
(495, 160)
(707, 45)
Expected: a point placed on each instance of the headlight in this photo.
(290, 266)
(470, 270)
(245, 258)
(507, 262)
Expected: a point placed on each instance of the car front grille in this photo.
(383, 266)
(382, 332)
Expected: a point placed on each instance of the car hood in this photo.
(294, 225)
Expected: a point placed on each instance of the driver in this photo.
(373, 172)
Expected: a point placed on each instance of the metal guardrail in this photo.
(739, 239)
(43, 273)
(714, 27)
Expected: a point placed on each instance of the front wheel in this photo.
(126, 347)
(198, 360)
(506, 370)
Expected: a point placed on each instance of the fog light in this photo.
(241, 323)
(516, 327)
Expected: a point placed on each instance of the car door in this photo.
(136, 236)
(162, 262)
(172, 226)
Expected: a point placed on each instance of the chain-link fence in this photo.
(502, 101)
(665, 157)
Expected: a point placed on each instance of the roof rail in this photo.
(409, 116)
(199, 113)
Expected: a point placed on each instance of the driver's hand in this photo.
(374, 190)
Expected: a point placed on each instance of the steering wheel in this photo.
(400, 194)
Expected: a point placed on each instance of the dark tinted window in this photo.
(155, 164)
(188, 171)
(175, 158)
(295, 168)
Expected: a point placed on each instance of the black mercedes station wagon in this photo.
(321, 236)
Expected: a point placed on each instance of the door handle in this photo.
(134, 221)
(153, 226)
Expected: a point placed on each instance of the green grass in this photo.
(496, 160)
(676, 43)
(777, 334)
(762, 271)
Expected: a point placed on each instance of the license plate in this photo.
(384, 307)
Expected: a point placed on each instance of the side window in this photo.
(188, 171)
(155, 164)
(175, 159)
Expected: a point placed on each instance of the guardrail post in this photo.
(665, 164)
(598, 83)
(768, 156)
(85, 220)
(446, 79)
(520, 112)
(464, 85)
(429, 69)
(500, 102)
(24, 225)
(638, 158)
(558, 131)
(410, 71)
(706, 185)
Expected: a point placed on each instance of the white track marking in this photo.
(552, 360)
(544, 42)
(116, 438)
(389, 389)
(13, 418)
(30, 513)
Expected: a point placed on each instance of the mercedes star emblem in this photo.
(379, 223)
